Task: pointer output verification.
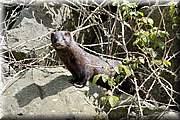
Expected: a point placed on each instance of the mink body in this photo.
(82, 65)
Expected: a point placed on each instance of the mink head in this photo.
(61, 39)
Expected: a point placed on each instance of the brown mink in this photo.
(82, 65)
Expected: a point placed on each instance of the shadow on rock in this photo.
(27, 94)
(61, 117)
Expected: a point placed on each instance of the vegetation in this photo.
(146, 65)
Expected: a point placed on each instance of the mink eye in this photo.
(56, 38)
(67, 34)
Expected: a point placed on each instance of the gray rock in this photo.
(171, 115)
(28, 36)
(47, 93)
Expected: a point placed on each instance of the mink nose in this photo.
(53, 38)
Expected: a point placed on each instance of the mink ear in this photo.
(53, 40)
(67, 33)
(69, 38)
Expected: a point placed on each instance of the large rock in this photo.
(28, 36)
(47, 93)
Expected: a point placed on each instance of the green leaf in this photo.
(119, 78)
(113, 100)
(111, 82)
(174, 26)
(132, 13)
(163, 33)
(161, 45)
(166, 63)
(172, 9)
(104, 100)
(96, 78)
(135, 65)
(105, 77)
(144, 20)
(176, 20)
(116, 69)
(150, 21)
(126, 70)
(140, 13)
(125, 61)
(153, 37)
(157, 62)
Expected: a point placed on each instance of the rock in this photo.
(7, 70)
(47, 93)
(171, 115)
(31, 32)
(28, 36)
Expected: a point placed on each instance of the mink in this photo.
(82, 65)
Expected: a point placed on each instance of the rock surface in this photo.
(28, 36)
(46, 93)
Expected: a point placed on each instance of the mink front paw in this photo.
(78, 85)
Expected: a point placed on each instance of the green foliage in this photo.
(96, 78)
(105, 78)
(150, 38)
(127, 9)
(110, 100)
(173, 11)
(166, 63)
(147, 63)
(123, 70)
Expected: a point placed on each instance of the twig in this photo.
(82, 28)
(103, 55)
